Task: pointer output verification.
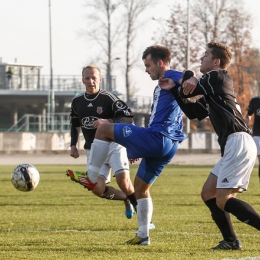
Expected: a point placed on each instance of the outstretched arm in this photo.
(191, 109)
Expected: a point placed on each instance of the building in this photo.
(28, 125)
(29, 104)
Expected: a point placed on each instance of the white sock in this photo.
(144, 213)
(98, 154)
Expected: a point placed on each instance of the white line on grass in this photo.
(244, 258)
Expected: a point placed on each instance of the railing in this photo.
(70, 84)
(58, 122)
(60, 83)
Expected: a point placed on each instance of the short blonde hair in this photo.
(92, 67)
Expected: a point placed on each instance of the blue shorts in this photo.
(155, 149)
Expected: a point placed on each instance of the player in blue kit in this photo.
(156, 144)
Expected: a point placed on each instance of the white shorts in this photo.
(117, 160)
(257, 142)
(234, 169)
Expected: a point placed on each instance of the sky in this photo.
(24, 35)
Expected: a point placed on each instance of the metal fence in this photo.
(59, 122)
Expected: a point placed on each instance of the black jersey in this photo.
(254, 108)
(218, 103)
(85, 109)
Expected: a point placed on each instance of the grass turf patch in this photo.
(62, 220)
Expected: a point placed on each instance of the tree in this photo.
(174, 37)
(240, 41)
(210, 17)
(217, 20)
(113, 25)
(134, 9)
(252, 59)
(104, 29)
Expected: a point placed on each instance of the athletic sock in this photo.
(133, 200)
(112, 193)
(222, 220)
(98, 154)
(144, 213)
(243, 212)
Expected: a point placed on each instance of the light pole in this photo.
(51, 92)
(188, 55)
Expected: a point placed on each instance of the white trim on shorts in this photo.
(233, 170)
(117, 161)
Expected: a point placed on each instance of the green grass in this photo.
(62, 220)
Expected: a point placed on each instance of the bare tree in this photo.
(104, 29)
(211, 19)
(174, 37)
(240, 42)
(113, 25)
(252, 63)
(216, 20)
(134, 9)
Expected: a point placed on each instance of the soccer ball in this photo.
(25, 177)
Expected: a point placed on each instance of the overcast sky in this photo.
(24, 33)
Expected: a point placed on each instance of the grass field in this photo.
(62, 220)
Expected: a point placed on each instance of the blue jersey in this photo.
(157, 143)
(166, 115)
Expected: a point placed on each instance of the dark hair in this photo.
(91, 67)
(158, 52)
(222, 52)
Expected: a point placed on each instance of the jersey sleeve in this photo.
(74, 118)
(250, 108)
(192, 110)
(122, 113)
(175, 75)
(74, 123)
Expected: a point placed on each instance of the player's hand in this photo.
(180, 81)
(74, 151)
(100, 121)
(166, 83)
(189, 85)
(133, 160)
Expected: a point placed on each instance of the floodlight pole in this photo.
(188, 55)
(51, 92)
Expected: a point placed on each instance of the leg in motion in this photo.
(220, 217)
(144, 212)
(125, 184)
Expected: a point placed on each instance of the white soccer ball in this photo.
(25, 177)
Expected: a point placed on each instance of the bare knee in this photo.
(209, 188)
(207, 193)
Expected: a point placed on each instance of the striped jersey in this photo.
(218, 103)
(85, 109)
